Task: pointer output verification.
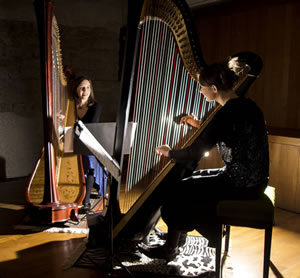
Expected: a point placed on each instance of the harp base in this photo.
(53, 212)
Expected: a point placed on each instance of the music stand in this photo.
(97, 139)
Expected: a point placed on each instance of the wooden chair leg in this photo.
(219, 250)
(227, 237)
(267, 251)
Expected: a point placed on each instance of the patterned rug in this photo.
(196, 259)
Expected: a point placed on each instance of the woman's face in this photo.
(209, 92)
(84, 90)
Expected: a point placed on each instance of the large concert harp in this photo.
(56, 185)
(163, 86)
(166, 61)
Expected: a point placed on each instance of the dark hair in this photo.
(76, 83)
(222, 75)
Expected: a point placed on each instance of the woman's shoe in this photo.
(160, 252)
(86, 208)
(162, 235)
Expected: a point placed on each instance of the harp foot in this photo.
(52, 212)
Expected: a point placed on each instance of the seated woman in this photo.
(238, 130)
(88, 111)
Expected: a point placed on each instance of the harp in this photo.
(56, 186)
(165, 59)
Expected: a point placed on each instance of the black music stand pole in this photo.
(81, 148)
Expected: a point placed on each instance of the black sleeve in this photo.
(205, 142)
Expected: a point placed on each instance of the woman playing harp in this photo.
(238, 129)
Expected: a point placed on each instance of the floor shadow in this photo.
(12, 204)
(10, 218)
(275, 270)
(49, 257)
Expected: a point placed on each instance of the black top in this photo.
(92, 115)
(239, 131)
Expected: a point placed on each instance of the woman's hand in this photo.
(191, 120)
(163, 150)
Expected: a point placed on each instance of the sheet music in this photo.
(87, 138)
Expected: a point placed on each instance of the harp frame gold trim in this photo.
(167, 12)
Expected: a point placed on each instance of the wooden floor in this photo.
(41, 254)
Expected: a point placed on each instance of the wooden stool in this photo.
(257, 214)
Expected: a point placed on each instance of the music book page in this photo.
(87, 138)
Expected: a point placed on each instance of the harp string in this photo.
(152, 107)
(164, 91)
(59, 97)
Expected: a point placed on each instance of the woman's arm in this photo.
(95, 113)
(203, 143)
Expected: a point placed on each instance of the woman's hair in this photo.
(76, 83)
(222, 75)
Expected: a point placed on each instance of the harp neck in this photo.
(179, 20)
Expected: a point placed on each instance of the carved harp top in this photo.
(176, 15)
